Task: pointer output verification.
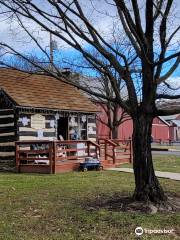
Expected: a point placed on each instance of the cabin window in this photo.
(72, 128)
(78, 127)
(83, 127)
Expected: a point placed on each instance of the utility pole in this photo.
(52, 47)
(51, 50)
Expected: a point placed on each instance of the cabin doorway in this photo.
(63, 128)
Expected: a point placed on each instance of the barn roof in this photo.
(170, 117)
(41, 91)
(176, 122)
(163, 120)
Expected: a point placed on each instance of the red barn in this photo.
(160, 128)
(174, 122)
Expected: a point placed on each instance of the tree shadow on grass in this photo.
(125, 203)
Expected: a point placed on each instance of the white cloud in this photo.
(174, 81)
(101, 14)
(174, 89)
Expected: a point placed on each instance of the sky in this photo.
(11, 33)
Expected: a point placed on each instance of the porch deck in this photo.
(62, 156)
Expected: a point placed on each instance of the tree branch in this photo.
(170, 72)
(175, 55)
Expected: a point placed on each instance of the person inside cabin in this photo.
(73, 134)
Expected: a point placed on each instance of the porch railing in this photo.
(49, 154)
(54, 156)
(30, 153)
(75, 150)
(118, 150)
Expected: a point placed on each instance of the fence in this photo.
(116, 150)
(53, 156)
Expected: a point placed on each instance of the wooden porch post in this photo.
(88, 148)
(96, 152)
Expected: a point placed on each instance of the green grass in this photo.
(176, 147)
(166, 163)
(41, 207)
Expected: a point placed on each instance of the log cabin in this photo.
(40, 107)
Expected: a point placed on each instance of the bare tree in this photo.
(111, 114)
(151, 59)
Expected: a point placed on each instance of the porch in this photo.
(61, 156)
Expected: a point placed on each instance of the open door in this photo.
(63, 128)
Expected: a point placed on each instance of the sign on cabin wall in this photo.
(37, 121)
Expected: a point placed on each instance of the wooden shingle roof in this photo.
(41, 91)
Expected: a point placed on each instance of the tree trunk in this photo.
(147, 187)
(114, 132)
(115, 126)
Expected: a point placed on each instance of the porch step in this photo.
(109, 163)
(107, 166)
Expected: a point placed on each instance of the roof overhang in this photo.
(27, 109)
(164, 121)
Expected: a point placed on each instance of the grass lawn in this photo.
(41, 207)
(177, 147)
(166, 163)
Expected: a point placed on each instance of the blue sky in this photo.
(11, 33)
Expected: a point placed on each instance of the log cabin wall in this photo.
(44, 127)
(36, 126)
(8, 136)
